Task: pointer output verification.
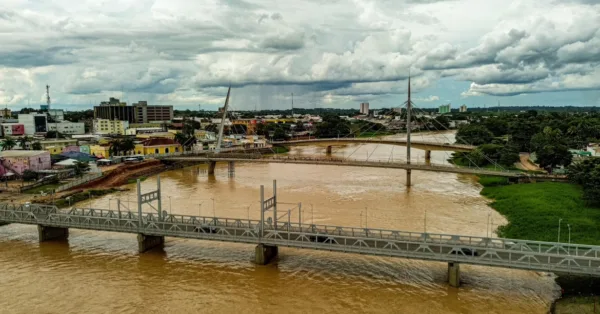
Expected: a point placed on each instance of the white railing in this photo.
(85, 179)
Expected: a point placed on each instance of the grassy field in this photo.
(533, 211)
(48, 188)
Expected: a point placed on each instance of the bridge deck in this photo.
(507, 253)
(372, 164)
(416, 144)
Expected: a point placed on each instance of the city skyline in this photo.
(328, 54)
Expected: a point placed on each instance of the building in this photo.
(18, 161)
(397, 110)
(251, 125)
(158, 146)
(57, 114)
(106, 126)
(114, 109)
(100, 151)
(463, 108)
(34, 122)
(59, 142)
(152, 114)
(5, 113)
(67, 127)
(12, 129)
(364, 108)
(136, 131)
(138, 113)
(169, 135)
(444, 109)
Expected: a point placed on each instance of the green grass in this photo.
(134, 180)
(493, 181)
(533, 211)
(280, 149)
(48, 188)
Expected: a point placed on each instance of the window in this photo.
(166, 150)
(156, 150)
(176, 149)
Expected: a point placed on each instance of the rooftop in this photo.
(22, 153)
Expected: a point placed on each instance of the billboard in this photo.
(18, 129)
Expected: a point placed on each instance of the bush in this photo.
(29, 175)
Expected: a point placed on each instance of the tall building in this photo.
(463, 108)
(138, 113)
(114, 110)
(34, 122)
(444, 109)
(5, 113)
(364, 108)
(152, 114)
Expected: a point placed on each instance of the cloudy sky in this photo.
(328, 53)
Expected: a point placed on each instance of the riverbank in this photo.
(533, 212)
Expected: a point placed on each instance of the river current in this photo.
(100, 272)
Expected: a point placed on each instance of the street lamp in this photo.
(170, 205)
(425, 221)
(200, 209)
(249, 211)
(569, 226)
(559, 221)
(109, 199)
(213, 199)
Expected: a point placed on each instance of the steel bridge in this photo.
(428, 146)
(212, 159)
(269, 233)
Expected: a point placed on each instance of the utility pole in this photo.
(408, 113)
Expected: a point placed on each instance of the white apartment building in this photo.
(34, 122)
(67, 127)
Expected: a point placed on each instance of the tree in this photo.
(332, 126)
(441, 123)
(127, 145)
(587, 174)
(54, 134)
(115, 147)
(212, 128)
(508, 156)
(551, 149)
(23, 141)
(473, 134)
(36, 146)
(496, 125)
(185, 140)
(29, 175)
(80, 167)
(9, 143)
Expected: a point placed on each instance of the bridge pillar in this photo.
(408, 177)
(47, 233)
(148, 242)
(4, 223)
(427, 155)
(328, 151)
(211, 167)
(263, 253)
(454, 274)
(231, 168)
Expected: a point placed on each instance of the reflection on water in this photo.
(102, 272)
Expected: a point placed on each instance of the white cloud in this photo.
(334, 52)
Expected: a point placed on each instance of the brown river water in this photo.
(101, 272)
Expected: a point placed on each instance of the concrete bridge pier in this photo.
(148, 242)
(427, 155)
(408, 177)
(47, 233)
(231, 168)
(211, 167)
(454, 274)
(263, 253)
(328, 151)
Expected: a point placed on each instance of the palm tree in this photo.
(23, 141)
(115, 147)
(9, 143)
(127, 145)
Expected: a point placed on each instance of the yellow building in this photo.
(106, 126)
(169, 135)
(153, 146)
(100, 150)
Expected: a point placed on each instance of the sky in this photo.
(328, 53)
